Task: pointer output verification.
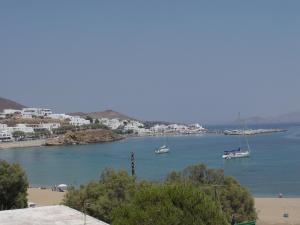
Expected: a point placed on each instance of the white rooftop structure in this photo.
(47, 215)
(30, 112)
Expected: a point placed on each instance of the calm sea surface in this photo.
(274, 165)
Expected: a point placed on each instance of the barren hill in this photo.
(110, 114)
(9, 104)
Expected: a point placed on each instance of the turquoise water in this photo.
(272, 168)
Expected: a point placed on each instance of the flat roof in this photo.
(46, 215)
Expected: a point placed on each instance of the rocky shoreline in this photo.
(84, 137)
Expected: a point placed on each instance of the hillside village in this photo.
(35, 123)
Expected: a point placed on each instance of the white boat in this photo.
(236, 154)
(162, 149)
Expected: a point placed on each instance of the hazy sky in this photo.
(159, 60)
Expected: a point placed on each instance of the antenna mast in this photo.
(132, 164)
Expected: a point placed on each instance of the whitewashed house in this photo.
(159, 128)
(135, 126)
(111, 123)
(35, 112)
(8, 112)
(21, 127)
(5, 135)
(3, 126)
(11, 111)
(78, 121)
(59, 116)
(49, 126)
(44, 126)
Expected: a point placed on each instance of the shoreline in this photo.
(22, 144)
(43, 142)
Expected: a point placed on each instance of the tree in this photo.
(89, 118)
(40, 133)
(196, 195)
(97, 121)
(234, 198)
(198, 174)
(166, 204)
(64, 129)
(237, 200)
(13, 186)
(100, 198)
(18, 134)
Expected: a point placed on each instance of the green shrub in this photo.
(13, 186)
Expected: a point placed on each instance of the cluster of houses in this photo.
(26, 112)
(124, 125)
(6, 132)
(139, 128)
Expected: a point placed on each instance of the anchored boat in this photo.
(238, 153)
(162, 149)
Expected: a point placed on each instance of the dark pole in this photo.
(132, 164)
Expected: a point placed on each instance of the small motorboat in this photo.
(162, 149)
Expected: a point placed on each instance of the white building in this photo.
(78, 121)
(177, 129)
(74, 120)
(159, 128)
(5, 135)
(44, 126)
(111, 123)
(3, 126)
(136, 126)
(11, 111)
(7, 112)
(35, 112)
(21, 127)
(59, 116)
(49, 126)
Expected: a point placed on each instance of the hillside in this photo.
(110, 114)
(9, 104)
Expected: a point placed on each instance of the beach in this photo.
(44, 197)
(270, 210)
(22, 144)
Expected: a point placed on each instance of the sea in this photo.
(273, 168)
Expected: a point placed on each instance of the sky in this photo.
(185, 61)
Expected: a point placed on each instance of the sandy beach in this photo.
(44, 197)
(22, 144)
(270, 210)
